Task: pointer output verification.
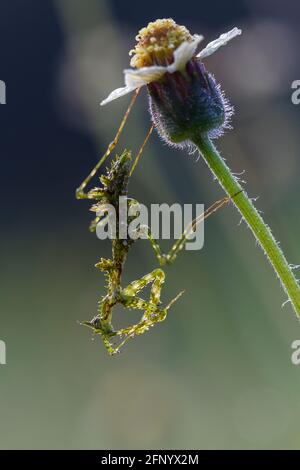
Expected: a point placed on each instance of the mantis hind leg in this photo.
(156, 277)
(153, 313)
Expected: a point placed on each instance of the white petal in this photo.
(117, 94)
(144, 75)
(221, 41)
(184, 53)
(135, 79)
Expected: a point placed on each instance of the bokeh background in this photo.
(218, 373)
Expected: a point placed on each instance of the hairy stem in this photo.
(254, 220)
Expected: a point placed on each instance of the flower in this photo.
(182, 46)
(185, 100)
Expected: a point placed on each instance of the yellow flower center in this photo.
(157, 42)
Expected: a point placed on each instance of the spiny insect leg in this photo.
(80, 194)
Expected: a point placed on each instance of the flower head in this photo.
(156, 43)
(184, 97)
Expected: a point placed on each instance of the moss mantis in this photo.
(115, 185)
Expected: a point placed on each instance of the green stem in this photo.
(254, 220)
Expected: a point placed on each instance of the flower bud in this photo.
(188, 103)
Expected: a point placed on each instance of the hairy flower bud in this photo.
(188, 103)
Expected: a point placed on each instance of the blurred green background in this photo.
(216, 374)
